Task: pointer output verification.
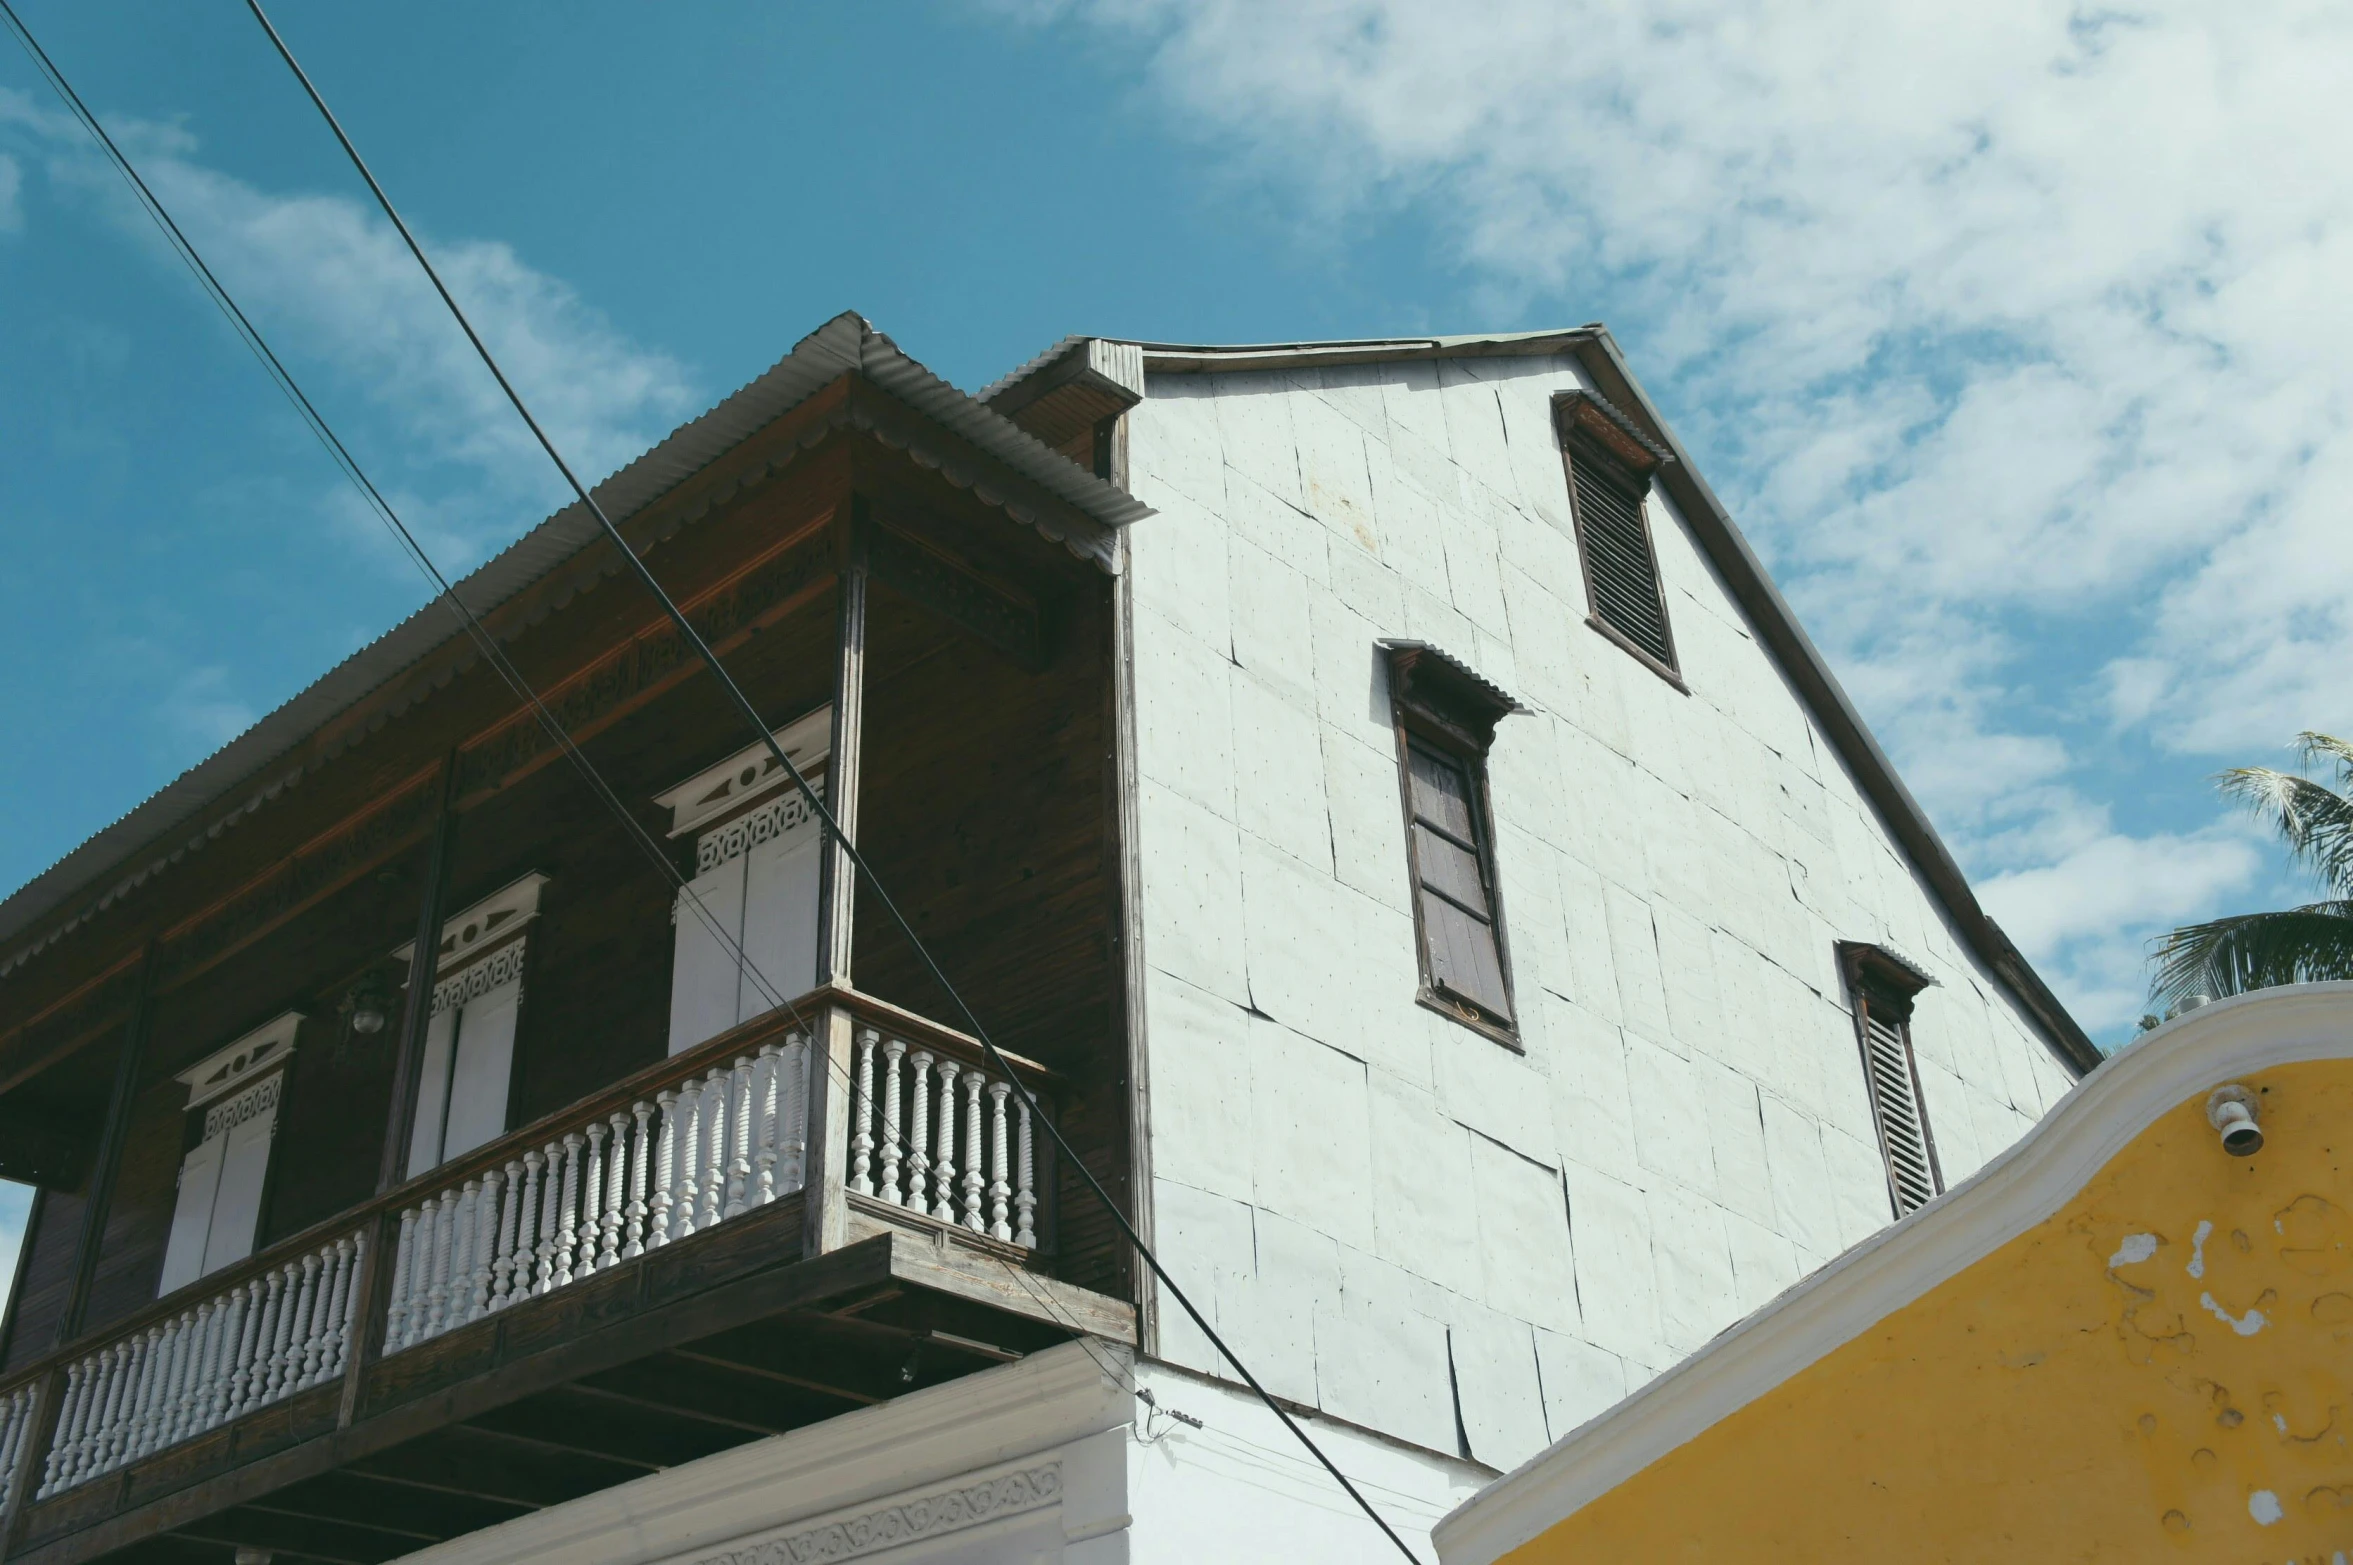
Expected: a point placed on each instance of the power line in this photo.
(750, 714)
(340, 454)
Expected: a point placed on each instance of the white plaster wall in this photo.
(1395, 1219)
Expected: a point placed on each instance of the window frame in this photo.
(1591, 431)
(1881, 984)
(1441, 705)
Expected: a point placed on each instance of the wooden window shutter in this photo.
(1610, 463)
(1446, 717)
(1881, 986)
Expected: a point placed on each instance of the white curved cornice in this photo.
(2012, 1194)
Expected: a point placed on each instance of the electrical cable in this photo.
(833, 830)
(340, 454)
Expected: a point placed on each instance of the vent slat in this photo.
(1619, 564)
(1903, 1118)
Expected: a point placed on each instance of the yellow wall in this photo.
(2061, 1399)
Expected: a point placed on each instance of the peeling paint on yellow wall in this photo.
(2161, 1369)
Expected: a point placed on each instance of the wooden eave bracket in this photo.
(1882, 971)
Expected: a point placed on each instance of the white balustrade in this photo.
(904, 1145)
(262, 1340)
(603, 1192)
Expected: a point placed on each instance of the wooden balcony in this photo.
(829, 1206)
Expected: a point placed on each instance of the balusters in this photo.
(973, 1178)
(861, 1105)
(999, 1190)
(568, 1212)
(592, 1183)
(739, 1136)
(712, 1178)
(919, 1131)
(396, 1312)
(793, 1113)
(892, 1053)
(665, 1171)
(764, 1071)
(1025, 1196)
(685, 1179)
(550, 1200)
(608, 1245)
(641, 1153)
(943, 1172)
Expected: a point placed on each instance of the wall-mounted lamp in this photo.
(2231, 1111)
(368, 1007)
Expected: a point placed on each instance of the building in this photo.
(1433, 884)
(2126, 1338)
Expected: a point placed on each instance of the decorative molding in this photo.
(304, 877)
(255, 1101)
(786, 812)
(647, 663)
(2180, 1062)
(484, 927)
(748, 775)
(504, 965)
(226, 1069)
(908, 1521)
(1013, 627)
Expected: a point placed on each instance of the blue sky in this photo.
(2012, 336)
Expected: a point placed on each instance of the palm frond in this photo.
(2312, 746)
(2315, 820)
(2246, 951)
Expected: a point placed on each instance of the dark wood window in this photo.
(1446, 717)
(1610, 464)
(1881, 986)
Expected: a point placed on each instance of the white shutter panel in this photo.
(703, 974)
(433, 1093)
(485, 1064)
(200, 1181)
(780, 918)
(245, 1160)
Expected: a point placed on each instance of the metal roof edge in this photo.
(1180, 358)
(1728, 550)
(253, 761)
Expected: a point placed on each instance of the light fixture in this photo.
(368, 1006)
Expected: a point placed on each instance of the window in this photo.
(1881, 985)
(469, 1063)
(223, 1177)
(1610, 464)
(759, 850)
(1446, 717)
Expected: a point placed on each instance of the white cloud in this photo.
(2009, 327)
(330, 283)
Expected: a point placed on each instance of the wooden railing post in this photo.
(838, 878)
(832, 1070)
(367, 1325)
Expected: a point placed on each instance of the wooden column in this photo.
(832, 1071)
(838, 888)
(417, 1015)
(1128, 915)
(110, 1149)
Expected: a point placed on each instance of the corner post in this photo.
(825, 1215)
(110, 1148)
(417, 1015)
(838, 887)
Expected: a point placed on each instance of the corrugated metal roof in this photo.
(257, 763)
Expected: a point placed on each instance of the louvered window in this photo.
(1881, 986)
(1446, 718)
(1610, 464)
